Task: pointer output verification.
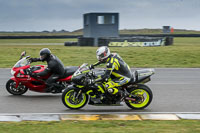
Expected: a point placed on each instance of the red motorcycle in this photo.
(22, 79)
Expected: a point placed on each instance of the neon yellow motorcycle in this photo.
(135, 94)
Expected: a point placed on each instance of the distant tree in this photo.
(45, 31)
(63, 30)
(54, 31)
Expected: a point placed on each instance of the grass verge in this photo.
(181, 126)
(28, 41)
(184, 53)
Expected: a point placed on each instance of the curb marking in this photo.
(10, 118)
(58, 117)
(100, 117)
(79, 117)
(189, 116)
(159, 117)
(40, 117)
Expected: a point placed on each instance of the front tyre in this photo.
(143, 96)
(72, 101)
(11, 88)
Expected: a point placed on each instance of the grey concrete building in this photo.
(100, 25)
(166, 29)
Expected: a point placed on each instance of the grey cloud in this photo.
(49, 14)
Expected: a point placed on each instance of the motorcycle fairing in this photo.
(142, 75)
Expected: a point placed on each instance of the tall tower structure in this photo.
(98, 25)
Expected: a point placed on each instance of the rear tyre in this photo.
(20, 90)
(70, 101)
(143, 96)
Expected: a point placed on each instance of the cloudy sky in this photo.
(39, 15)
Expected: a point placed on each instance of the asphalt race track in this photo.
(174, 89)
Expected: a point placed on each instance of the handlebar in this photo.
(28, 57)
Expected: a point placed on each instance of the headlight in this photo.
(153, 71)
(12, 72)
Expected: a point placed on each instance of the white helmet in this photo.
(102, 53)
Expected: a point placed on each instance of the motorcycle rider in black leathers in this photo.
(116, 70)
(55, 67)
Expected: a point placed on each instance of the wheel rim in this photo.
(19, 89)
(143, 98)
(73, 102)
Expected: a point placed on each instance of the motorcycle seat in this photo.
(142, 75)
(69, 71)
(134, 77)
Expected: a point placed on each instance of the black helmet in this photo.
(44, 54)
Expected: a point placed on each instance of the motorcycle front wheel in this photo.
(143, 95)
(11, 88)
(72, 101)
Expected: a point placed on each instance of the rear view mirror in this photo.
(23, 54)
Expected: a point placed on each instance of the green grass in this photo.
(182, 126)
(28, 41)
(40, 33)
(184, 53)
(156, 31)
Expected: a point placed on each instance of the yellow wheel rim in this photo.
(72, 102)
(144, 95)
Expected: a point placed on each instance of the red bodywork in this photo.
(20, 77)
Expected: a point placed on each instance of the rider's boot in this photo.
(113, 91)
(49, 88)
(94, 101)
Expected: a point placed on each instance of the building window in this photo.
(107, 19)
(86, 20)
(100, 19)
(113, 19)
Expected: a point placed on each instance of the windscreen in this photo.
(83, 68)
(21, 63)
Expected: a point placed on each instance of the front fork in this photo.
(17, 84)
(79, 93)
(16, 81)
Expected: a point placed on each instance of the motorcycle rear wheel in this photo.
(20, 90)
(70, 101)
(144, 95)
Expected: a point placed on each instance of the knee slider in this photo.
(110, 90)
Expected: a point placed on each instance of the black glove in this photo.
(33, 60)
(91, 66)
(89, 81)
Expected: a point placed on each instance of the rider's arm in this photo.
(34, 59)
(97, 63)
(107, 74)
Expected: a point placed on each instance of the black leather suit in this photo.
(55, 67)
